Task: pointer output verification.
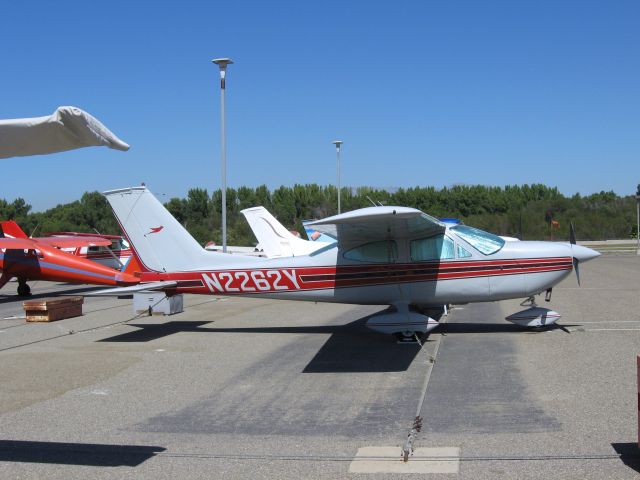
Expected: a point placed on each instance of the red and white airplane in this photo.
(43, 258)
(116, 254)
(112, 251)
(394, 256)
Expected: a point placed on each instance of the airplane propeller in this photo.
(572, 241)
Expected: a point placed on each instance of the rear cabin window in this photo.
(438, 247)
(385, 251)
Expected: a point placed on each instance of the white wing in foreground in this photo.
(67, 128)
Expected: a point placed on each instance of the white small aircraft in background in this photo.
(274, 239)
(395, 256)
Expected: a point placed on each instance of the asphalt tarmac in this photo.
(250, 388)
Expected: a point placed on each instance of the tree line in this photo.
(530, 212)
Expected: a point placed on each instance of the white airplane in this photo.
(396, 256)
(274, 239)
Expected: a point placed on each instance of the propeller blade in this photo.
(576, 262)
(572, 234)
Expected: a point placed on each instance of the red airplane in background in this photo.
(115, 255)
(41, 259)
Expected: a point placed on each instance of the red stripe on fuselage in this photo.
(257, 281)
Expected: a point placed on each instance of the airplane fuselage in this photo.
(508, 274)
(52, 264)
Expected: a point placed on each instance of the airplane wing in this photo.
(73, 242)
(141, 287)
(12, 230)
(17, 244)
(66, 129)
(378, 223)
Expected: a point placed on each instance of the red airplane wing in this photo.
(17, 244)
(80, 234)
(73, 242)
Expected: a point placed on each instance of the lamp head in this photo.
(222, 62)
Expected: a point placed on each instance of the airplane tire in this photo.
(24, 290)
(406, 337)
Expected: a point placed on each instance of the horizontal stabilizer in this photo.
(142, 287)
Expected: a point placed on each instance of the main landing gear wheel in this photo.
(409, 337)
(24, 290)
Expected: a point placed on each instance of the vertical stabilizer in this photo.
(159, 241)
(275, 240)
(12, 229)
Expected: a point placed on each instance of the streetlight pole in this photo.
(338, 143)
(222, 63)
(638, 220)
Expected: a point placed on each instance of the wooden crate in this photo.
(51, 309)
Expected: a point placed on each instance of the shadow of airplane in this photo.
(155, 331)
(8, 297)
(358, 349)
(503, 327)
(91, 454)
(351, 347)
(629, 454)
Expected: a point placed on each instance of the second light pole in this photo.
(222, 63)
(338, 143)
(638, 220)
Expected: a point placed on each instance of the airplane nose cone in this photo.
(583, 254)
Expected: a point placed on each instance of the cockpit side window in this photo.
(438, 247)
(461, 252)
(486, 243)
(384, 251)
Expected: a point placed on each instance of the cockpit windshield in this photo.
(484, 242)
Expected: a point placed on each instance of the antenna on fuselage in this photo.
(379, 204)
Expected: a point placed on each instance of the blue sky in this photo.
(421, 92)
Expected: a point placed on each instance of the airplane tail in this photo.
(275, 240)
(134, 266)
(158, 240)
(11, 229)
